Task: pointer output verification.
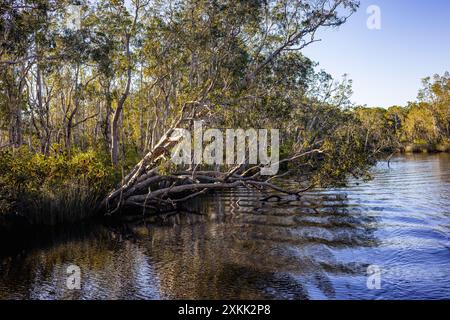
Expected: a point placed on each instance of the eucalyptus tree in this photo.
(19, 22)
(435, 95)
(118, 23)
(211, 59)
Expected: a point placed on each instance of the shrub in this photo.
(56, 188)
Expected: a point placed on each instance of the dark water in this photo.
(317, 248)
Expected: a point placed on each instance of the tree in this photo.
(435, 96)
(420, 124)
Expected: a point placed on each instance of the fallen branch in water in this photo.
(145, 187)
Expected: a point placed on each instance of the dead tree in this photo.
(147, 188)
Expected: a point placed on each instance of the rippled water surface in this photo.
(316, 248)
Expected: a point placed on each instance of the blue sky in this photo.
(387, 65)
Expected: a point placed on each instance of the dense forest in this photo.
(80, 107)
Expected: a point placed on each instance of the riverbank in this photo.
(426, 148)
(62, 190)
(52, 189)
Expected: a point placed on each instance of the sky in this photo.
(387, 65)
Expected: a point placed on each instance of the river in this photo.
(237, 247)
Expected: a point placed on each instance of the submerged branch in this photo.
(144, 187)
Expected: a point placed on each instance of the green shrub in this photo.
(56, 188)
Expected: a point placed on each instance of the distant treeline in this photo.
(423, 125)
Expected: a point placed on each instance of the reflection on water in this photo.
(318, 247)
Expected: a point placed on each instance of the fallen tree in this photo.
(229, 76)
(146, 187)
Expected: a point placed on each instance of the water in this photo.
(317, 248)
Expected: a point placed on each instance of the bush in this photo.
(56, 188)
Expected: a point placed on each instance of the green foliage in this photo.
(233, 64)
(54, 188)
(344, 153)
(421, 126)
(341, 135)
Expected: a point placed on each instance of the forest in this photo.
(85, 113)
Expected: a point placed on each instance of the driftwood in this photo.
(146, 188)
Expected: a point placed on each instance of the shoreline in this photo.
(13, 222)
(425, 148)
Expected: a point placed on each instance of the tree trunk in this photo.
(118, 112)
(15, 123)
(115, 137)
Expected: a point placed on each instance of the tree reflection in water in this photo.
(236, 246)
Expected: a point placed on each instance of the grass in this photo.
(70, 203)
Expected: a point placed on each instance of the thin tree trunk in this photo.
(119, 109)
(15, 122)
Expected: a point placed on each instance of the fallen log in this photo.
(147, 188)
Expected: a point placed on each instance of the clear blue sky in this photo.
(387, 65)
